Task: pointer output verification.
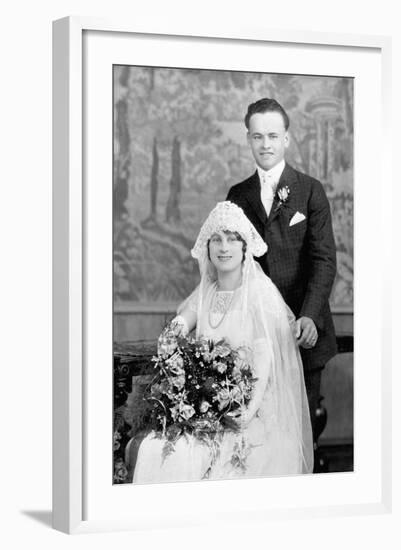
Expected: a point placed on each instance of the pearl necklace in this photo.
(221, 303)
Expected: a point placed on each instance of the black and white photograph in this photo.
(200, 275)
(232, 274)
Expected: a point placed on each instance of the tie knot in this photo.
(269, 180)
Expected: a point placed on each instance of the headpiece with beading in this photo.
(227, 216)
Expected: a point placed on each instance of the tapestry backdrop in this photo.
(180, 144)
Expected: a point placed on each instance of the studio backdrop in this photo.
(180, 144)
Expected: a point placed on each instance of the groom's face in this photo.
(267, 138)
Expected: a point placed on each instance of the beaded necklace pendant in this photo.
(221, 303)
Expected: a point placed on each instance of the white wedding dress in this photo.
(275, 429)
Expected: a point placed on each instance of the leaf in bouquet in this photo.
(174, 432)
(175, 364)
(207, 356)
(236, 374)
(168, 449)
(241, 453)
(221, 349)
(175, 412)
(230, 423)
(209, 386)
(155, 391)
(201, 424)
(220, 366)
(237, 395)
(223, 398)
(178, 381)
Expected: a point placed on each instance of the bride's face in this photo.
(226, 251)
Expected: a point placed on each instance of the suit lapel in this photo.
(287, 179)
(253, 197)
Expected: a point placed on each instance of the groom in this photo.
(291, 212)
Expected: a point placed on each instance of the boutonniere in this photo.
(283, 195)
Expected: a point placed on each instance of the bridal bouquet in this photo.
(197, 386)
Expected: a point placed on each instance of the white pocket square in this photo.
(297, 217)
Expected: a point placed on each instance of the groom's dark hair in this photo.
(265, 105)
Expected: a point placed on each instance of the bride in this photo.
(237, 301)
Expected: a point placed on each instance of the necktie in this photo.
(267, 191)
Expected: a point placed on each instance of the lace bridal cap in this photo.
(227, 216)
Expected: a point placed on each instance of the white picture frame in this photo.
(80, 45)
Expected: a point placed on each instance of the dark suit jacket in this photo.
(301, 259)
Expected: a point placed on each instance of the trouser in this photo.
(313, 379)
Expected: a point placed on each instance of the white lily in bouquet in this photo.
(198, 387)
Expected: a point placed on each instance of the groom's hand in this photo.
(306, 332)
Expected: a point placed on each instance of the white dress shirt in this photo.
(268, 184)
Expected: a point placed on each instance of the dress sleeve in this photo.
(261, 364)
(261, 358)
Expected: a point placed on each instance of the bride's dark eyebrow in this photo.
(233, 233)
